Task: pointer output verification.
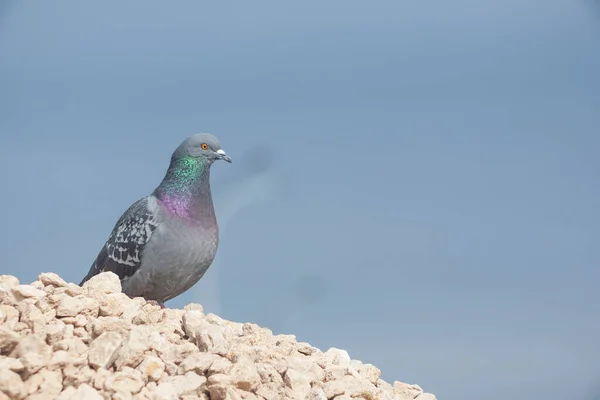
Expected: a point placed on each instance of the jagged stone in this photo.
(61, 341)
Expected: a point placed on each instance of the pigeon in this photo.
(165, 242)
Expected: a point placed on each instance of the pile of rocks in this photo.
(62, 341)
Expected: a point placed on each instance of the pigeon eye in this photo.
(204, 146)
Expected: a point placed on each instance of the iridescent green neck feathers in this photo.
(185, 189)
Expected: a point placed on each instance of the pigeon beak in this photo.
(223, 156)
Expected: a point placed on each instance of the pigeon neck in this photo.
(185, 189)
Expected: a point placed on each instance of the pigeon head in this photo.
(185, 189)
(202, 146)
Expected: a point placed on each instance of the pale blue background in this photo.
(415, 182)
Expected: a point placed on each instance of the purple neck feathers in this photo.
(185, 190)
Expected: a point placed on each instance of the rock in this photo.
(122, 396)
(67, 393)
(74, 345)
(74, 290)
(51, 279)
(130, 354)
(384, 385)
(90, 306)
(85, 392)
(8, 339)
(175, 353)
(107, 282)
(299, 362)
(55, 332)
(7, 297)
(171, 369)
(333, 388)
(406, 390)
(81, 333)
(132, 308)
(165, 391)
(12, 364)
(33, 352)
(193, 321)
(306, 349)
(62, 341)
(106, 324)
(75, 376)
(244, 375)
(149, 314)
(317, 394)
(220, 366)
(297, 381)
(152, 368)
(61, 359)
(270, 391)
(223, 392)
(112, 304)
(100, 378)
(77, 321)
(37, 285)
(49, 315)
(218, 379)
(52, 382)
(69, 306)
(188, 383)
(41, 396)
(127, 380)
(370, 372)
(104, 349)
(334, 372)
(425, 396)
(9, 316)
(8, 282)
(194, 306)
(22, 292)
(11, 384)
(212, 338)
(285, 344)
(336, 357)
(32, 384)
(198, 362)
(269, 374)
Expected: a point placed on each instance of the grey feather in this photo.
(122, 251)
(164, 243)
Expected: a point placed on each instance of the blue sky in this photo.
(416, 183)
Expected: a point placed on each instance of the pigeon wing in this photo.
(122, 252)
